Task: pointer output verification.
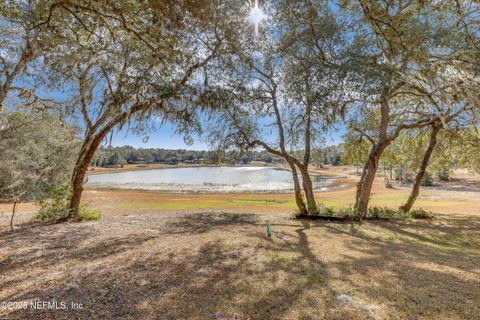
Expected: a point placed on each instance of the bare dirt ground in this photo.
(157, 256)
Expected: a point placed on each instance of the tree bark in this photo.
(13, 214)
(308, 188)
(78, 180)
(364, 186)
(80, 171)
(423, 168)
(298, 192)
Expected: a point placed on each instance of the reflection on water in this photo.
(204, 179)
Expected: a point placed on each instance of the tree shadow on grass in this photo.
(413, 279)
(208, 221)
(208, 265)
(263, 280)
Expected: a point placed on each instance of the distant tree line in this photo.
(119, 156)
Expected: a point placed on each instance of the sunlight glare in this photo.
(256, 16)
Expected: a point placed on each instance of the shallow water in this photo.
(205, 179)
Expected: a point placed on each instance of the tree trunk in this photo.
(298, 191)
(13, 214)
(364, 186)
(308, 188)
(77, 187)
(80, 171)
(421, 172)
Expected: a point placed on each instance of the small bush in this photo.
(55, 206)
(347, 213)
(380, 213)
(372, 213)
(420, 214)
(86, 214)
(323, 210)
(427, 180)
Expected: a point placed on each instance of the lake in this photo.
(204, 179)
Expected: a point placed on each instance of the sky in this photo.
(165, 137)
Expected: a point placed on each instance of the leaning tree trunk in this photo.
(80, 171)
(308, 188)
(298, 192)
(423, 168)
(78, 179)
(364, 186)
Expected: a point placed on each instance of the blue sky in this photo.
(165, 137)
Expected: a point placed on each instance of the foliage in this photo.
(325, 210)
(381, 213)
(427, 180)
(36, 154)
(420, 214)
(355, 149)
(54, 206)
(373, 213)
(328, 155)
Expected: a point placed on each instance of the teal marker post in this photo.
(269, 229)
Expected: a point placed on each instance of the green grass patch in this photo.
(205, 204)
(86, 214)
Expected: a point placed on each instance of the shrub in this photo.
(427, 180)
(420, 214)
(347, 213)
(372, 213)
(383, 213)
(54, 207)
(324, 210)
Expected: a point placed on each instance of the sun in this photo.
(256, 16)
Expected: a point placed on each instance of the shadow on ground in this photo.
(222, 266)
